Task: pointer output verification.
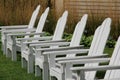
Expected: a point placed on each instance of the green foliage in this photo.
(111, 43)
(47, 34)
(67, 36)
(86, 41)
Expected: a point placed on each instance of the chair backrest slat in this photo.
(41, 22)
(78, 32)
(58, 35)
(34, 16)
(60, 27)
(33, 19)
(115, 60)
(98, 44)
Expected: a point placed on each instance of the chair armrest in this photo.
(80, 57)
(96, 68)
(14, 27)
(48, 41)
(64, 52)
(84, 61)
(19, 30)
(51, 44)
(24, 34)
(61, 48)
(33, 38)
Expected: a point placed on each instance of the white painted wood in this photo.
(61, 75)
(95, 68)
(81, 57)
(98, 44)
(51, 44)
(111, 73)
(114, 61)
(14, 27)
(12, 45)
(60, 48)
(25, 56)
(48, 41)
(42, 61)
(37, 38)
(65, 52)
(82, 61)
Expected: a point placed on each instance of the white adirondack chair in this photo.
(27, 56)
(17, 27)
(97, 47)
(14, 45)
(39, 62)
(111, 73)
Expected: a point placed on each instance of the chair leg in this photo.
(5, 47)
(23, 62)
(68, 72)
(30, 64)
(46, 75)
(8, 53)
(37, 71)
(14, 54)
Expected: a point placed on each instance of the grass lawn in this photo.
(10, 70)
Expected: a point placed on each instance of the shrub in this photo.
(67, 36)
(86, 41)
(111, 43)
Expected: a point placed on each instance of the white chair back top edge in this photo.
(78, 32)
(33, 19)
(60, 26)
(41, 22)
(98, 44)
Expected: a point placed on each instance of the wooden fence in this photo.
(97, 11)
(76, 8)
(19, 11)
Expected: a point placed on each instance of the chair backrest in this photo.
(58, 35)
(115, 60)
(34, 16)
(33, 19)
(41, 22)
(60, 26)
(98, 44)
(78, 32)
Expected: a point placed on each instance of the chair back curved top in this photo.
(78, 32)
(98, 44)
(33, 19)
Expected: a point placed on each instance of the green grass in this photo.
(10, 70)
(109, 51)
